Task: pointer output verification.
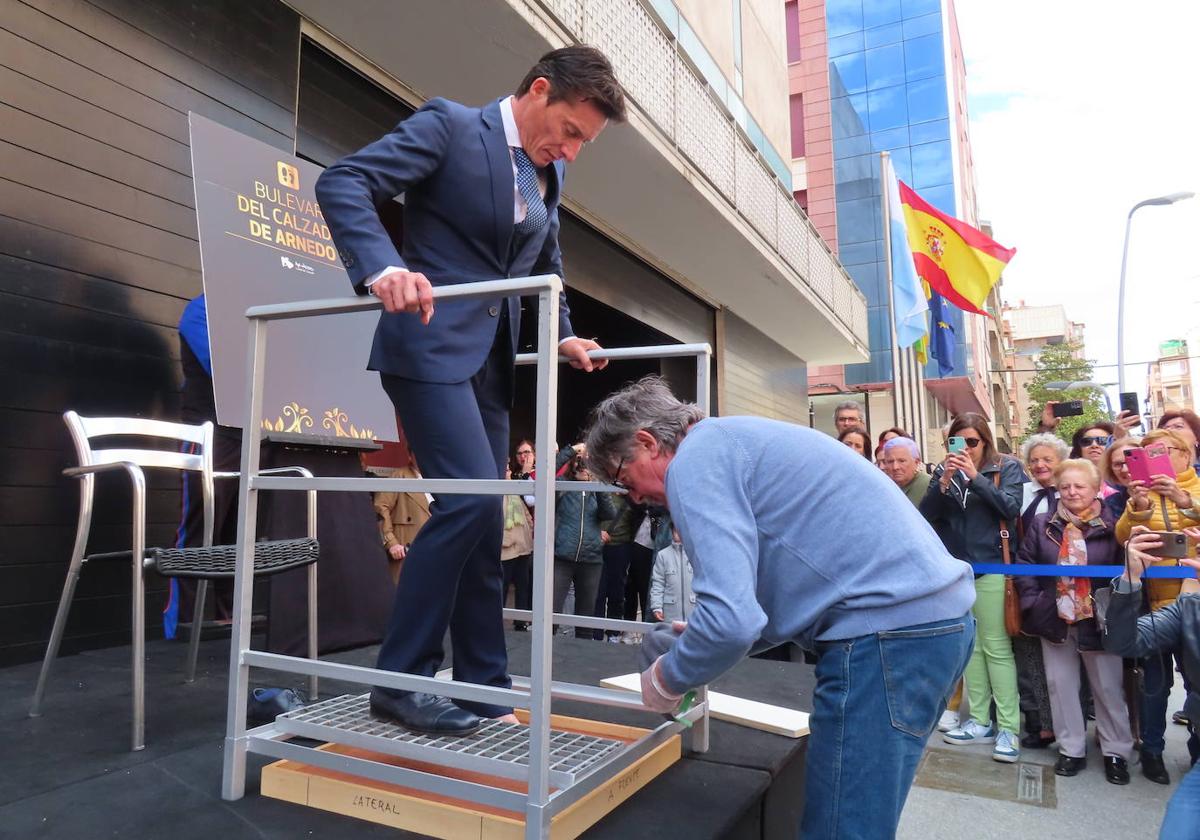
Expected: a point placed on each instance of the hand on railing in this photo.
(405, 291)
(575, 351)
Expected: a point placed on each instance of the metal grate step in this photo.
(499, 749)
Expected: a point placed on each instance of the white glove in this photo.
(655, 695)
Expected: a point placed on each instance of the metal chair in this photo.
(205, 563)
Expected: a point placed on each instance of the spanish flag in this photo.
(956, 260)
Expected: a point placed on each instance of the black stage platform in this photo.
(69, 773)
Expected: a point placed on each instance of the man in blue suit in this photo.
(482, 189)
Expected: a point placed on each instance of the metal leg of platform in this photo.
(233, 782)
(534, 753)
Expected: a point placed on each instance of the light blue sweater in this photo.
(795, 537)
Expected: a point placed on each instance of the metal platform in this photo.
(498, 749)
(560, 768)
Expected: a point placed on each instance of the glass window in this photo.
(924, 25)
(856, 177)
(849, 115)
(902, 163)
(843, 16)
(887, 108)
(923, 57)
(879, 12)
(913, 8)
(880, 35)
(850, 146)
(927, 100)
(856, 220)
(852, 255)
(888, 140)
(791, 16)
(941, 197)
(843, 44)
(885, 66)
(927, 132)
(851, 73)
(932, 165)
(797, 114)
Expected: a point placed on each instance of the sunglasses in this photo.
(972, 442)
(1088, 440)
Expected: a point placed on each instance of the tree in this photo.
(1059, 363)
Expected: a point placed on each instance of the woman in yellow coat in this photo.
(1167, 503)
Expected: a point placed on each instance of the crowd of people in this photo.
(1044, 662)
(612, 558)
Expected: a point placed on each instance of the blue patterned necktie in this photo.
(527, 183)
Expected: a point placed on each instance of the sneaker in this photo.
(972, 732)
(949, 720)
(1006, 749)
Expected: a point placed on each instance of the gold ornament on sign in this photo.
(334, 420)
(297, 420)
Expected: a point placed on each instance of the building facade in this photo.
(1031, 329)
(894, 81)
(680, 226)
(1170, 380)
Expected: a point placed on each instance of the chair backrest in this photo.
(85, 429)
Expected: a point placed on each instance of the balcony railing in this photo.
(665, 86)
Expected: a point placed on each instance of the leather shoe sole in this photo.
(426, 714)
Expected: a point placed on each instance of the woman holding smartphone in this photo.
(1166, 503)
(973, 496)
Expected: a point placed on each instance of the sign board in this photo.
(264, 240)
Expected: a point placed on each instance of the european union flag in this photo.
(941, 335)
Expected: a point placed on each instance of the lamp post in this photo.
(1162, 199)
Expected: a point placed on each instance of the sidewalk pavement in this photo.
(1087, 807)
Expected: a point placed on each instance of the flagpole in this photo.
(887, 261)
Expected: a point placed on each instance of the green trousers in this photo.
(992, 672)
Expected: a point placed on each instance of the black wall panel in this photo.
(98, 256)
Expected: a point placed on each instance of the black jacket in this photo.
(967, 517)
(1175, 627)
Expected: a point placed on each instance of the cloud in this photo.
(1078, 111)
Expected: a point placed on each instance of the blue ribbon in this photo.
(1048, 570)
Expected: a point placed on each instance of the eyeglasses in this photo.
(615, 478)
(524, 452)
(972, 442)
(1088, 440)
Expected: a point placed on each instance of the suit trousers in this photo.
(452, 578)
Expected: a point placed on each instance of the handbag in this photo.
(1012, 604)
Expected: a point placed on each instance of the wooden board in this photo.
(457, 819)
(779, 720)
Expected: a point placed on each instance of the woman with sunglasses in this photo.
(1168, 503)
(1187, 424)
(974, 495)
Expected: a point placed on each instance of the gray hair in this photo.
(904, 443)
(847, 405)
(647, 404)
(1044, 439)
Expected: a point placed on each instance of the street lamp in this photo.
(1162, 199)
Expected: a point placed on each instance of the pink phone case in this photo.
(1146, 462)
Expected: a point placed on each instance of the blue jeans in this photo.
(1182, 820)
(1158, 677)
(876, 701)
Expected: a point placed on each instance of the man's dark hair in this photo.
(579, 73)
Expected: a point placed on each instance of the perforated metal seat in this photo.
(204, 563)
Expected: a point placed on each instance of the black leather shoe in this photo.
(428, 714)
(1034, 741)
(1154, 769)
(1116, 771)
(1068, 766)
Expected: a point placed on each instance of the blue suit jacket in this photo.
(452, 163)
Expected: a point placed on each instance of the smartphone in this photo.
(1129, 402)
(1070, 408)
(1144, 463)
(957, 444)
(1174, 544)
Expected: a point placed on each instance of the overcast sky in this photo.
(1078, 111)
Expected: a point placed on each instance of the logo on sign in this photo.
(288, 262)
(289, 176)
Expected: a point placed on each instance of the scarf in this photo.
(1074, 595)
